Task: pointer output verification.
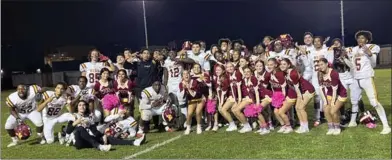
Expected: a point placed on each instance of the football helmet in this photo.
(286, 40)
(23, 131)
(169, 114)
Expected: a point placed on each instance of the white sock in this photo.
(232, 123)
(354, 113)
(247, 125)
(383, 117)
(188, 126)
(198, 126)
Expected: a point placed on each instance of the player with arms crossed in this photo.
(23, 105)
(364, 56)
(51, 107)
(92, 69)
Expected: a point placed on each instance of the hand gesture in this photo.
(326, 40)
(366, 50)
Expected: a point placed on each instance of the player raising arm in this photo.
(23, 105)
(92, 69)
(364, 57)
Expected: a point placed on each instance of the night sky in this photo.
(31, 28)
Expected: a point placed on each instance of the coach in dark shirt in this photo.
(146, 71)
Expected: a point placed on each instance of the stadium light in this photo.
(38, 70)
(2, 72)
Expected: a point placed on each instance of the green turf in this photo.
(353, 143)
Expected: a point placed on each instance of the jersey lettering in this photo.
(93, 77)
(174, 72)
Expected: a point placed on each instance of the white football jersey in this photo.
(87, 93)
(174, 72)
(363, 64)
(24, 106)
(149, 96)
(315, 55)
(54, 107)
(92, 71)
(202, 59)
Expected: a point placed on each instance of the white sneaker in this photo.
(187, 131)
(282, 129)
(337, 131)
(61, 138)
(259, 131)
(264, 131)
(386, 130)
(220, 124)
(140, 140)
(208, 128)
(271, 127)
(13, 143)
(288, 130)
(43, 141)
(198, 130)
(245, 129)
(352, 124)
(105, 147)
(299, 130)
(231, 128)
(330, 131)
(215, 128)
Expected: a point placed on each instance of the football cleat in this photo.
(231, 128)
(140, 140)
(352, 124)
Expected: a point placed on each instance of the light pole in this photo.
(342, 20)
(145, 24)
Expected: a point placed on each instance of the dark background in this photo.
(29, 29)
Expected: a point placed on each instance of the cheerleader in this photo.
(234, 95)
(303, 88)
(333, 94)
(250, 94)
(283, 96)
(265, 101)
(189, 88)
(103, 87)
(242, 65)
(263, 77)
(221, 84)
(123, 88)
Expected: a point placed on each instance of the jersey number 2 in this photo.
(92, 77)
(357, 63)
(174, 72)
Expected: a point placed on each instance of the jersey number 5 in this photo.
(92, 77)
(357, 63)
(53, 111)
(174, 72)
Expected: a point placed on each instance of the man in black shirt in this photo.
(130, 63)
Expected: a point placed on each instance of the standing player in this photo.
(172, 78)
(365, 57)
(23, 105)
(53, 103)
(313, 58)
(199, 57)
(91, 69)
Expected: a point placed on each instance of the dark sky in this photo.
(38, 26)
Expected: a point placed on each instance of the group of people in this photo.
(226, 85)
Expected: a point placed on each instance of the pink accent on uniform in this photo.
(252, 110)
(110, 101)
(277, 99)
(211, 106)
(371, 125)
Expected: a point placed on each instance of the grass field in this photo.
(353, 143)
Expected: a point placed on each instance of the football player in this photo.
(81, 92)
(23, 104)
(53, 103)
(92, 69)
(364, 57)
(153, 102)
(172, 78)
(199, 57)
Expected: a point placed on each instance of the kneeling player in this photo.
(23, 105)
(51, 108)
(152, 103)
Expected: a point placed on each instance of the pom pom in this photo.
(277, 99)
(211, 106)
(110, 101)
(252, 110)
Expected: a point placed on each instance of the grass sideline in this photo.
(353, 143)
